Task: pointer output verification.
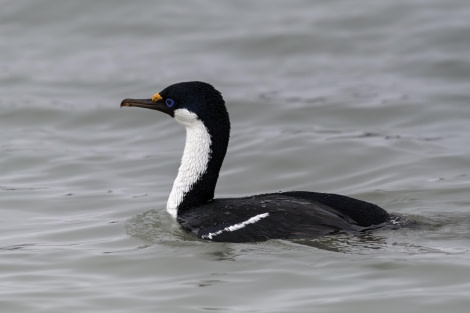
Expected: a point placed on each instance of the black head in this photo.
(199, 98)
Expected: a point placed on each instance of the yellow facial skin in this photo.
(156, 97)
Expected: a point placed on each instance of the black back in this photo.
(292, 215)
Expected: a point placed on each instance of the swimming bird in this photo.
(201, 109)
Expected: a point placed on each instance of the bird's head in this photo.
(187, 102)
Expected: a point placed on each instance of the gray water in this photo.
(369, 99)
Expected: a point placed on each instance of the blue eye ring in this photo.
(169, 102)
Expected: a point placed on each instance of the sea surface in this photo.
(365, 98)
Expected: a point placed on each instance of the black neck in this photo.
(203, 190)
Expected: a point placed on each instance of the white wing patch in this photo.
(195, 158)
(238, 226)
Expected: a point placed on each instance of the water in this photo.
(368, 99)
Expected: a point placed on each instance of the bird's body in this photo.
(297, 214)
(289, 215)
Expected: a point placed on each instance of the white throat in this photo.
(194, 161)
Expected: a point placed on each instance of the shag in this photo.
(200, 108)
